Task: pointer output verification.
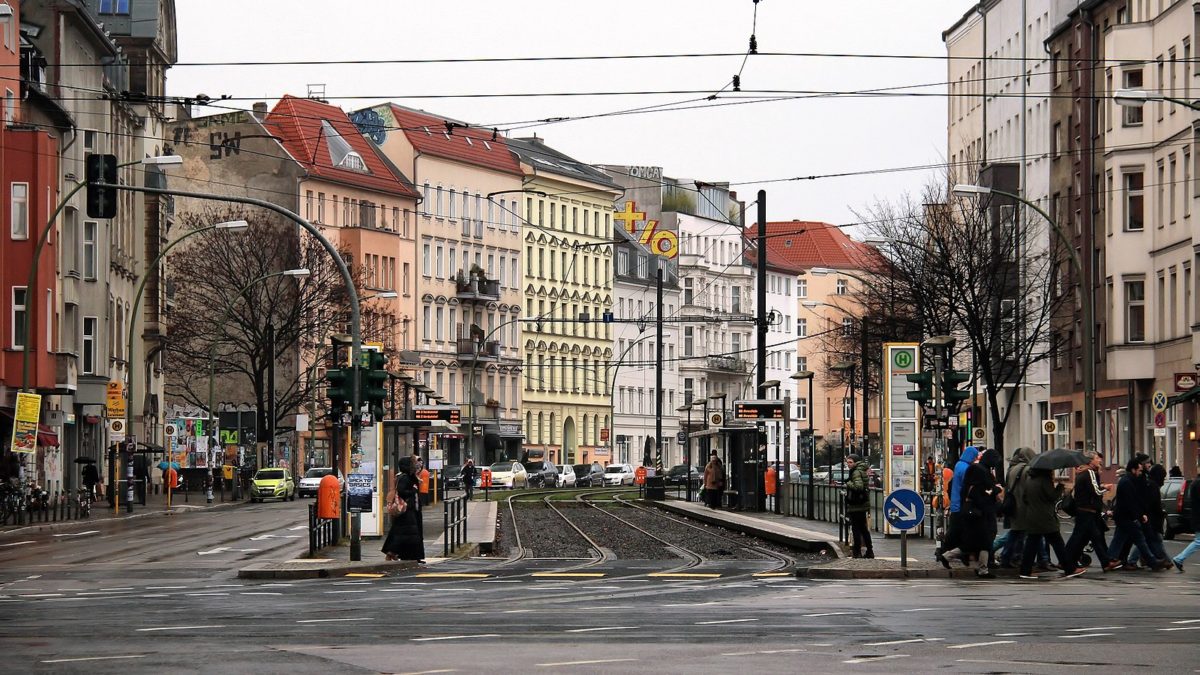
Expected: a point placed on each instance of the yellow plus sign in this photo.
(630, 215)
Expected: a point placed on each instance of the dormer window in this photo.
(341, 155)
(487, 145)
(354, 162)
(468, 140)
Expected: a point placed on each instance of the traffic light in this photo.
(374, 383)
(924, 392)
(338, 393)
(101, 201)
(951, 395)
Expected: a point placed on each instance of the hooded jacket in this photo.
(960, 474)
(1020, 460)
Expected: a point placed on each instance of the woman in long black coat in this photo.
(404, 539)
(979, 504)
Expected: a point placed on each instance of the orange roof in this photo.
(429, 135)
(298, 121)
(798, 245)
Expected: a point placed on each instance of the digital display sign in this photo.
(445, 413)
(758, 410)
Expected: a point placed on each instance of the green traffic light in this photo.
(924, 382)
(951, 380)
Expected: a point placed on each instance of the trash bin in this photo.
(656, 487)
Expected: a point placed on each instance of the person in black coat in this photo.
(404, 537)
(1150, 487)
(979, 516)
(1129, 515)
(468, 478)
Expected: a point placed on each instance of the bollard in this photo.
(355, 535)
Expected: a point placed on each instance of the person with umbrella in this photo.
(1036, 499)
(90, 475)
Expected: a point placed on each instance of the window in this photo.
(320, 207)
(689, 385)
(688, 293)
(425, 325)
(1132, 114)
(18, 317)
(114, 6)
(802, 288)
(735, 305)
(1135, 311)
(622, 261)
(20, 210)
(689, 340)
(425, 270)
(801, 363)
(801, 408)
(847, 326)
(847, 408)
(1134, 201)
(89, 345)
(801, 327)
(437, 259)
(841, 287)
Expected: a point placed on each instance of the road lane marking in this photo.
(872, 659)
(516, 611)
(42, 595)
(162, 628)
(981, 644)
(18, 543)
(298, 527)
(1083, 635)
(570, 575)
(259, 593)
(1090, 630)
(767, 651)
(96, 658)
(196, 595)
(581, 663)
(772, 574)
(430, 672)
(921, 609)
(685, 575)
(330, 592)
(1181, 628)
(364, 575)
(118, 588)
(813, 616)
(1025, 663)
(451, 575)
(77, 534)
(900, 642)
(164, 588)
(1012, 634)
(359, 618)
(599, 629)
(1187, 621)
(711, 623)
(456, 637)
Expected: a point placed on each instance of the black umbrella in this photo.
(84, 460)
(1058, 458)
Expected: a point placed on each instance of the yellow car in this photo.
(272, 484)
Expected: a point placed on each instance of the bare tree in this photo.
(976, 271)
(227, 293)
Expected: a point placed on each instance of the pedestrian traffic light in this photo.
(101, 201)
(924, 382)
(374, 383)
(951, 395)
(338, 393)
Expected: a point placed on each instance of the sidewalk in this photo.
(156, 505)
(335, 561)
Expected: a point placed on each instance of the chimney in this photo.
(260, 110)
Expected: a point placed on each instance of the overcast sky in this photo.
(747, 144)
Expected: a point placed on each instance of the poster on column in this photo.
(365, 465)
(901, 428)
(25, 422)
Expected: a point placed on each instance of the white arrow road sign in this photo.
(907, 512)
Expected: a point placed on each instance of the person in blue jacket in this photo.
(956, 527)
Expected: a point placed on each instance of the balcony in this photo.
(477, 289)
(66, 373)
(727, 364)
(478, 350)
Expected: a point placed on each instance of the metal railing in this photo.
(454, 524)
(18, 509)
(322, 532)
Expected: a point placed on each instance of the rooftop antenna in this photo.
(316, 92)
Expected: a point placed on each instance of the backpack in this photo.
(1067, 503)
(1008, 507)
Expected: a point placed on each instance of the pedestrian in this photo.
(1015, 541)
(468, 478)
(1036, 499)
(858, 503)
(1150, 487)
(418, 467)
(91, 476)
(1194, 497)
(956, 532)
(1129, 516)
(1176, 472)
(404, 540)
(981, 492)
(714, 482)
(1088, 493)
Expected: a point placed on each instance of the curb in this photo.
(812, 543)
(64, 524)
(304, 570)
(835, 571)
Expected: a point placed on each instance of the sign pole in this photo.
(904, 548)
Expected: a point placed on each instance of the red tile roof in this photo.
(797, 245)
(428, 135)
(298, 122)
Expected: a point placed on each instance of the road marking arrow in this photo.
(274, 536)
(212, 551)
(222, 549)
(77, 534)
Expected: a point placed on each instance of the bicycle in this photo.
(83, 499)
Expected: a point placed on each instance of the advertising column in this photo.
(363, 481)
(901, 423)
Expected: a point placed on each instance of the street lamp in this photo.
(230, 226)
(687, 448)
(300, 273)
(812, 441)
(1089, 321)
(1136, 98)
(847, 367)
(163, 160)
(612, 387)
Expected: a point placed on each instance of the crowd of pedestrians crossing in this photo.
(1028, 500)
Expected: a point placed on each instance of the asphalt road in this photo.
(183, 611)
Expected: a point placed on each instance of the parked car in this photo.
(588, 475)
(794, 475)
(272, 484)
(509, 474)
(1177, 503)
(451, 476)
(542, 473)
(681, 474)
(566, 476)
(312, 480)
(618, 474)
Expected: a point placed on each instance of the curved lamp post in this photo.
(812, 441)
(470, 384)
(232, 226)
(612, 388)
(1089, 342)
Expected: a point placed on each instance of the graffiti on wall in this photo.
(371, 124)
(664, 243)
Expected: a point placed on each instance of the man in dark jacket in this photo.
(1129, 515)
(1194, 496)
(858, 502)
(1089, 504)
(1152, 478)
(468, 478)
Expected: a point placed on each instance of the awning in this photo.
(1189, 395)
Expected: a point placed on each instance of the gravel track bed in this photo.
(505, 539)
(546, 535)
(801, 557)
(707, 545)
(627, 543)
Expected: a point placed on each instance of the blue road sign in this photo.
(904, 509)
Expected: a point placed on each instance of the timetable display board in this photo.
(758, 410)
